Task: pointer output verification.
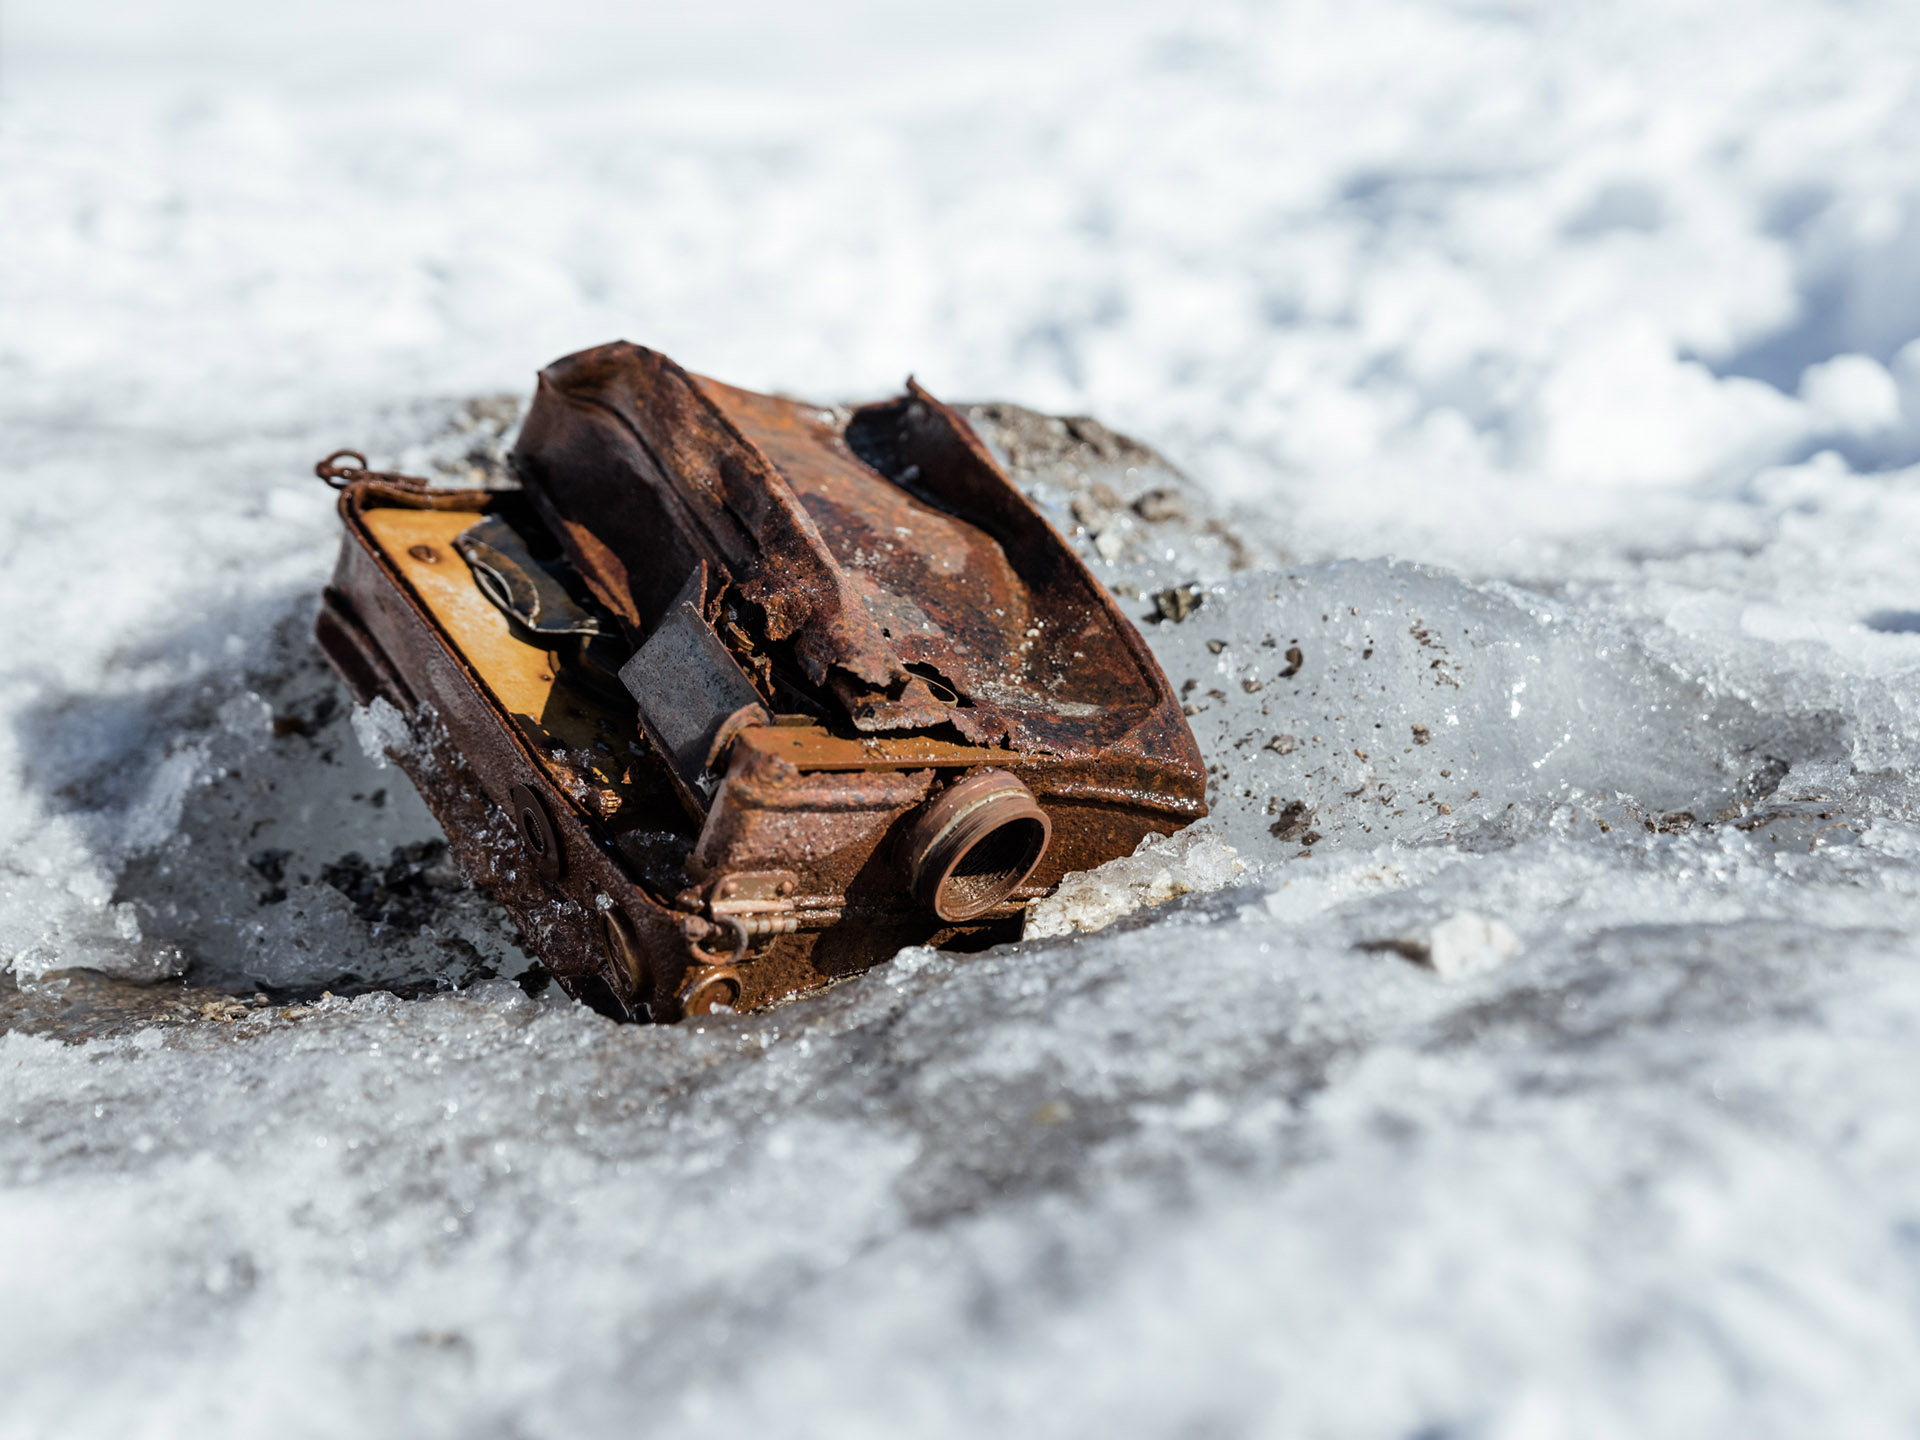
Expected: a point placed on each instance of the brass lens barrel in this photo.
(974, 843)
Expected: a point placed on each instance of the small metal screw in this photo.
(424, 552)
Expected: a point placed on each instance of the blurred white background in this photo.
(1388, 248)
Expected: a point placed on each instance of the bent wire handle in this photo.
(742, 942)
(340, 476)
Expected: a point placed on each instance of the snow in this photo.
(1462, 944)
(1546, 376)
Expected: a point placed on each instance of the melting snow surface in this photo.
(1544, 386)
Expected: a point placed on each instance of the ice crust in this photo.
(1192, 862)
(1567, 359)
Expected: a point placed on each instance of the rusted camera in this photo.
(735, 696)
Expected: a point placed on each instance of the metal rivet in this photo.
(535, 825)
(424, 552)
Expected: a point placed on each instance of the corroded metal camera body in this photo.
(736, 696)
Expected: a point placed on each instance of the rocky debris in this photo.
(403, 894)
(1177, 602)
(1293, 820)
(1143, 524)
(469, 448)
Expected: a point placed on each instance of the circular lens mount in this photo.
(973, 845)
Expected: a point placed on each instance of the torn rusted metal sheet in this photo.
(737, 696)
